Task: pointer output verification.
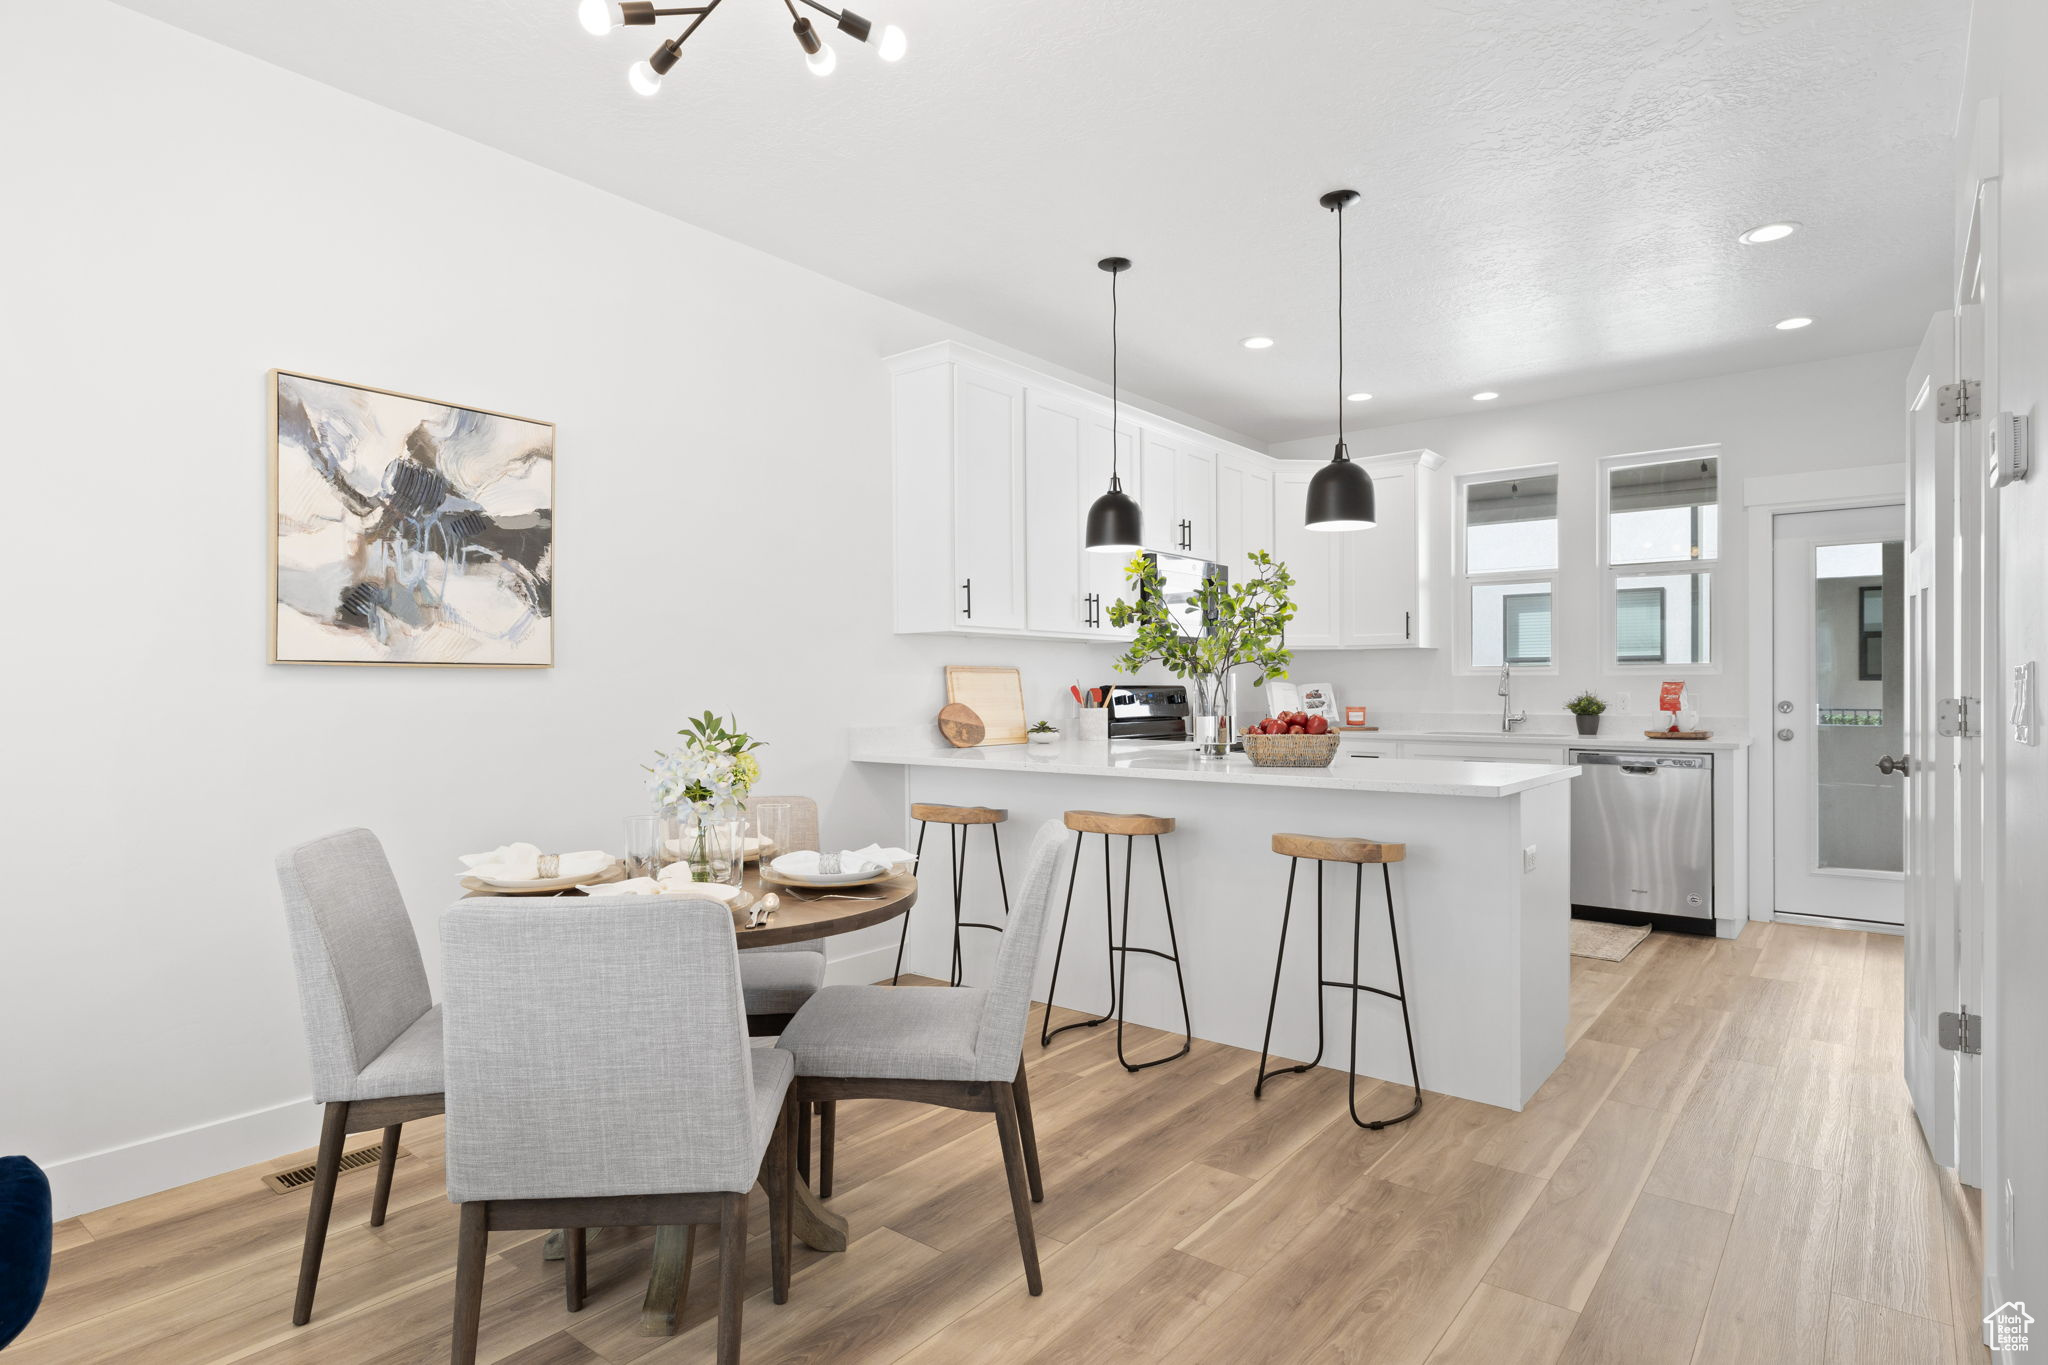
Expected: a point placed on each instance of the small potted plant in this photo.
(1045, 732)
(1586, 708)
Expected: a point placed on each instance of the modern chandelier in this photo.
(600, 17)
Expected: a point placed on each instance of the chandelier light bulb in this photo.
(822, 62)
(644, 79)
(894, 43)
(600, 17)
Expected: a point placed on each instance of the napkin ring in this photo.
(550, 866)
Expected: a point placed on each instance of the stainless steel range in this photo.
(1147, 712)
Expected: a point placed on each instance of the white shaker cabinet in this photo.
(1069, 588)
(959, 499)
(1371, 589)
(1244, 510)
(1179, 497)
(1311, 556)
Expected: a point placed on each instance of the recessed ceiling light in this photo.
(1794, 324)
(1769, 232)
(1257, 343)
(1486, 397)
(1358, 398)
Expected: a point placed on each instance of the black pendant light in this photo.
(1340, 495)
(1116, 525)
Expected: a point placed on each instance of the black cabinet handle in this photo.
(1407, 625)
(968, 586)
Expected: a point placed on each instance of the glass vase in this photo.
(712, 844)
(1211, 720)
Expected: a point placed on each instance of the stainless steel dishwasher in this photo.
(1643, 833)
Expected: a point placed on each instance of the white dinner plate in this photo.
(530, 886)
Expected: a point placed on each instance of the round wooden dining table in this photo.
(802, 915)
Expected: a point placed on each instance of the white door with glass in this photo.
(1838, 661)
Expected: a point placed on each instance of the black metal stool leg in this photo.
(1265, 1048)
(956, 855)
(1125, 950)
(1400, 994)
(1045, 1032)
(904, 937)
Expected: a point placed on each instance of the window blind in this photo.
(1525, 628)
(1652, 487)
(1639, 625)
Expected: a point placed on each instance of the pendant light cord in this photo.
(1114, 350)
(1340, 326)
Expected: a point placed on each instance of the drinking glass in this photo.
(643, 846)
(773, 822)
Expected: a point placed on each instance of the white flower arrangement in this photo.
(711, 772)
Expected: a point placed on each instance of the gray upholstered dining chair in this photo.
(600, 1075)
(372, 1028)
(778, 980)
(961, 1047)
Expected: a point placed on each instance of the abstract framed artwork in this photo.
(407, 531)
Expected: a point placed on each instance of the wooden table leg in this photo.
(816, 1226)
(669, 1282)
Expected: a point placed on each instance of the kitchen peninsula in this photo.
(1482, 898)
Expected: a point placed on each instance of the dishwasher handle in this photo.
(1640, 769)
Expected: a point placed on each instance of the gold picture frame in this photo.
(393, 500)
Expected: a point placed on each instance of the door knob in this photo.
(1785, 733)
(1900, 765)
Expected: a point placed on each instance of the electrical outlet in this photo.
(1529, 858)
(1621, 702)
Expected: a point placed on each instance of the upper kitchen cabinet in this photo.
(1372, 589)
(1179, 497)
(1067, 443)
(1244, 510)
(995, 468)
(959, 495)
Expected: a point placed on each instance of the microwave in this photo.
(1181, 577)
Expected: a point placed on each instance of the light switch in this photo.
(1529, 858)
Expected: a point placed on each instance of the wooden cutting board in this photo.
(994, 694)
(961, 727)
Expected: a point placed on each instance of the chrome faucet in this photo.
(1508, 719)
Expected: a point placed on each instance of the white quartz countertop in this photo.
(1170, 762)
(1622, 739)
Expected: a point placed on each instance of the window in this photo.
(1870, 654)
(1662, 513)
(1508, 552)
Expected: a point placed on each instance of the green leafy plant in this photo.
(1585, 704)
(1045, 727)
(713, 768)
(1247, 628)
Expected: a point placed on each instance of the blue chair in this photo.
(25, 1235)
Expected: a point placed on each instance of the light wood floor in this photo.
(1725, 1169)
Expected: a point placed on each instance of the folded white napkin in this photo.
(521, 863)
(873, 858)
(651, 886)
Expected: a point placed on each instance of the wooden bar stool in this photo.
(959, 822)
(1133, 828)
(1358, 852)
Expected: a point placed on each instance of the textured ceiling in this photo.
(1552, 188)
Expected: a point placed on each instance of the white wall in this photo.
(1829, 414)
(180, 218)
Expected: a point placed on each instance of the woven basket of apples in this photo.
(1292, 739)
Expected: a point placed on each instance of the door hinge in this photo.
(1959, 402)
(1962, 1031)
(1956, 718)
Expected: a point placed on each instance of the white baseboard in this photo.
(863, 968)
(98, 1179)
